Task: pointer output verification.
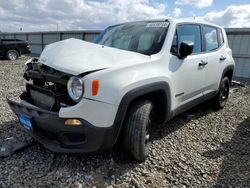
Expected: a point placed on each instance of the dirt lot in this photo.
(201, 148)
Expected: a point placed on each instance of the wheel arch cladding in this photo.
(158, 93)
(228, 72)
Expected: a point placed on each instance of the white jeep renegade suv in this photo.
(83, 96)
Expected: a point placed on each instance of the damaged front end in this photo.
(46, 87)
(39, 113)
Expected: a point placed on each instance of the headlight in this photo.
(75, 88)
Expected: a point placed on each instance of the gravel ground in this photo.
(201, 148)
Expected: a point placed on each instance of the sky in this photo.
(50, 15)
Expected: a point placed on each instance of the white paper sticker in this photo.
(157, 24)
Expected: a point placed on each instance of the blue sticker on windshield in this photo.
(157, 24)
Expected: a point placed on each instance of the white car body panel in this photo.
(184, 74)
(75, 56)
(98, 113)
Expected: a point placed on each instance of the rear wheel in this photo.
(138, 130)
(220, 99)
(12, 55)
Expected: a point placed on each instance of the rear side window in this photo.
(211, 39)
(190, 33)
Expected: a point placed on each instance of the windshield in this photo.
(142, 37)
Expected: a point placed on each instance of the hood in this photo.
(75, 56)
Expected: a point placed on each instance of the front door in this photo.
(188, 75)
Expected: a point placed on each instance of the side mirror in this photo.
(185, 49)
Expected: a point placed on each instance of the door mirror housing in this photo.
(185, 49)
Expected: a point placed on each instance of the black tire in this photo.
(220, 100)
(12, 55)
(138, 129)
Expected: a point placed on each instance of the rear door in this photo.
(216, 55)
(187, 75)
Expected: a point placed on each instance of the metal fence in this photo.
(38, 40)
(239, 41)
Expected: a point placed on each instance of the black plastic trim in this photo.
(135, 94)
(29, 110)
(193, 103)
(228, 68)
(50, 130)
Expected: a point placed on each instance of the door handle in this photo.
(202, 63)
(222, 58)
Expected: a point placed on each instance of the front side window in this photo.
(142, 37)
(190, 33)
(187, 33)
(211, 39)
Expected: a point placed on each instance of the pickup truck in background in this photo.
(13, 48)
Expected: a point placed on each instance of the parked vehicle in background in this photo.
(13, 48)
(85, 96)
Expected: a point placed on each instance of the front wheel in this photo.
(12, 55)
(220, 99)
(138, 130)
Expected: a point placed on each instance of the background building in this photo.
(239, 41)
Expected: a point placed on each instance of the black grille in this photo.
(42, 99)
(49, 88)
(46, 99)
